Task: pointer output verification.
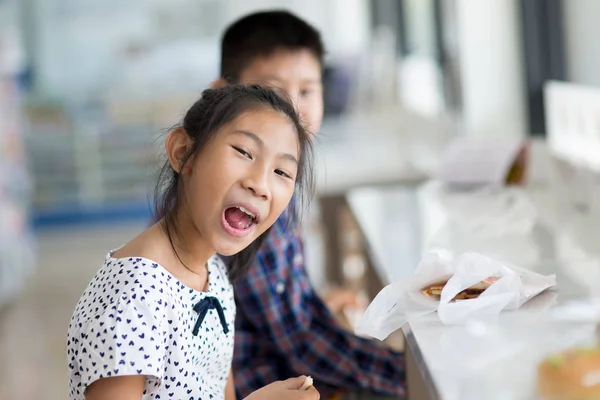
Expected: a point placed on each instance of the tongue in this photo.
(236, 218)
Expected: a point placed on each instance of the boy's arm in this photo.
(288, 319)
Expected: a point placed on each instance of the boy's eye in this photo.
(305, 92)
(242, 152)
(281, 173)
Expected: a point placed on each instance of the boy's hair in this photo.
(263, 33)
(202, 122)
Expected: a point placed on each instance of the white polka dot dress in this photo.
(135, 318)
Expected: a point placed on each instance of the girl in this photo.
(157, 320)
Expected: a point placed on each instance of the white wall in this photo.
(582, 31)
(491, 65)
(350, 26)
(71, 33)
(12, 55)
(344, 24)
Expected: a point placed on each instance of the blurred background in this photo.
(87, 88)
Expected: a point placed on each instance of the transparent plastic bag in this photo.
(491, 212)
(481, 211)
(399, 302)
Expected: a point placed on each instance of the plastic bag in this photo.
(491, 213)
(485, 212)
(402, 301)
(497, 222)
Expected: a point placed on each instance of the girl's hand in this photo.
(284, 390)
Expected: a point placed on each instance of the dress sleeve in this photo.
(126, 339)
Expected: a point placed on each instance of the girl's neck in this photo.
(190, 248)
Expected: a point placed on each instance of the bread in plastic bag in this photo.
(402, 301)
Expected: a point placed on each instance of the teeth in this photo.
(247, 212)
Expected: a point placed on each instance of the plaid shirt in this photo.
(283, 329)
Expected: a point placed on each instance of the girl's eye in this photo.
(281, 173)
(242, 152)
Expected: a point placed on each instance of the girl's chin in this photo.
(229, 246)
(229, 250)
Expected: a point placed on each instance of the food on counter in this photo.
(434, 291)
(570, 375)
(518, 169)
(308, 382)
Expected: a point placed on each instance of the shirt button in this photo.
(280, 287)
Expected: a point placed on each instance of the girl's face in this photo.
(242, 181)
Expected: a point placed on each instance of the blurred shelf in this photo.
(76, 213)
(89, 166)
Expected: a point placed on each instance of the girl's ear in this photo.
(177, 145)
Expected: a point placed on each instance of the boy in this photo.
(283, 328)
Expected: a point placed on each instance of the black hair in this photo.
(214, 109)
(261, 34)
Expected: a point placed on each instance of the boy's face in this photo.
(296, 72)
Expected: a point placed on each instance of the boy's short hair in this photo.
(263, 33)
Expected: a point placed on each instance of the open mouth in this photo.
(239, 220)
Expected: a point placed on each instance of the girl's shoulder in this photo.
(132, 278)
(125, 293)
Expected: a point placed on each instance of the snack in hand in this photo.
(434, 291)
(308, 382)
(571, 375)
